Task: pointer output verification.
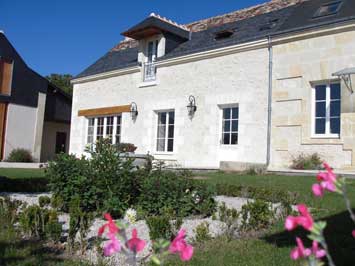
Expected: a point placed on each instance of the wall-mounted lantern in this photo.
(134, 110)
(191, 107)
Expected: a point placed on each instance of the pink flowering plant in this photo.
(118, 242)
(326, 182)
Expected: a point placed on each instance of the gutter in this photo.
(269, 104)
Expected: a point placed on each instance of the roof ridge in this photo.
(168, 21)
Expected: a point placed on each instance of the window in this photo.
(165, 131)
(328, 9)
(230, 125)
(104, 127)
(5, 76)
(326, 109)
(149, 66)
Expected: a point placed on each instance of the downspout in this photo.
(269, 104)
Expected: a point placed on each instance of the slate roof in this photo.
(294, 17)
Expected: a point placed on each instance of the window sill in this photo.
(148, 84)
(329, 136)
(229, 145)
(164, 153)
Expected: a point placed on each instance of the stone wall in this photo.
(297, 64)
(240, 78)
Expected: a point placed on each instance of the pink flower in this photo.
(112, 246)
(112, 227)
(318, 253)
(179, 245)
(327, 182)
(353, 233)
(135, 244)
(304, 219)
(300, 251)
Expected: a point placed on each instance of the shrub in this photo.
(164, 189)
(126, 147)
(230, 218)
(20, 156)
(38, 184)
(307, 162)
(42, 223)
(80, 222)
(9, 209)
(44, 201)
(256, 215)
(159, 227)
(202, 232)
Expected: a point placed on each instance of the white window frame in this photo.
(114, 131)
(327, 133)
(221, 124)
(166, 138)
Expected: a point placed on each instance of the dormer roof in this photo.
(156, 24)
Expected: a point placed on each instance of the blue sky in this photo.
(67, 36)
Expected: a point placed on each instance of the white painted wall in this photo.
(237, 78)
(20, 128)
(50, 130)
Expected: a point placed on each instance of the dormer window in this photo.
(328, 9)
(149, 65)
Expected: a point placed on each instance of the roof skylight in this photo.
(328, 9)
(223, 34)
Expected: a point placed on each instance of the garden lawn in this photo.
(273, 246)
(22, 173)
(23, 180)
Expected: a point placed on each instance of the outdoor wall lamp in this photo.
(191, 107)
(134, 110)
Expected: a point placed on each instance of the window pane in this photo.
(320, 126)
(226, 113)
(234, 139)
(320, 109)
(171, 131)
(161, 131)
(227, 126)
(170, 144)
(90, 139)
(235, 125)
(91, 130)
(118, 120)
(100, 121)
(162, 118)
(335, 91)
(226, 138)
(335, 125)
(320, 92)
(235, 112)
(160, 144)
(91, 121)
(335, 108)
(171, 118)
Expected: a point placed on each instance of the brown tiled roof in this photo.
(204, 24)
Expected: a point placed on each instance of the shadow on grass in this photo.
(28, 252)
(35, 184)
(337, 233)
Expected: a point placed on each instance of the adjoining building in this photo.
(255, 86)
(34, 114)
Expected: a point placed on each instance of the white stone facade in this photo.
(239, 78)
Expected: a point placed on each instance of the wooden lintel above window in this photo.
(105, 111)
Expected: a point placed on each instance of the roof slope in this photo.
(248, 24)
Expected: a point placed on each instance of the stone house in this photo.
(34, 114)
(255, 86)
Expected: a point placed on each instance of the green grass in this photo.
(274, 246)
(21, 173)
